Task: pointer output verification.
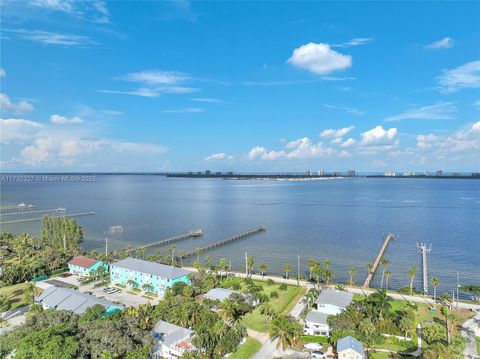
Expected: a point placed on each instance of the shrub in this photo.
(273, 294)
(283, 286)
(270, 281)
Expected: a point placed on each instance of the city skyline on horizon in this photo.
(283, 87)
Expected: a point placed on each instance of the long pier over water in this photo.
(225, 241)
(71, 215)
(377, 261)
(32, 212)
(164, 242)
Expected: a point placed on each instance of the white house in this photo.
(329, 302)
(316, 323)
(171, 341)
(333, 301)
(350, 348)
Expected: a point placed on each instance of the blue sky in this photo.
(239, 86)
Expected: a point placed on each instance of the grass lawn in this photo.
(247, 349)
(478, 345)
(381, 355)
(15, 294)
(283, 304)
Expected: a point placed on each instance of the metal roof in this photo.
(71, 299)
(314, 316)
(83, 262)
(336, 297)
(168, 334)
(219, 294)
(156, 269)
(350, 343)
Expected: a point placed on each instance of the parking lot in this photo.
(122, 296)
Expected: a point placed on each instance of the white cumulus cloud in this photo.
(62, 120)
(13, 129)
(333, 133)
(218, 157)
(17, 108)
(379, 136)
(319, 58)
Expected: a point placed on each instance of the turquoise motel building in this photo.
(137, 273)
(85, 266)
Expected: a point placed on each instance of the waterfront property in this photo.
(171, 341)
(150, 276)
(221, 294)
(85, 266)
(316, 323)
(333, 301)
(351, 348)
(72, 300)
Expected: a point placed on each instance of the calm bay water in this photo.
(344, 220)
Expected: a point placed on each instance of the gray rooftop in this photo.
(314, 316)
(336, 297)
(156, 269)
(350, 343)
(168, 334)
(71, 299)
(219, 294)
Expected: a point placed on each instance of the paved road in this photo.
(470, 329)
(14, 317)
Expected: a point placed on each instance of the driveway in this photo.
(14, 317)
(122, 296)
(471, 329)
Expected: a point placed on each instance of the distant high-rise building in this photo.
(439, 173)
(321, 172)
(409, 174)
(456, 174)
(351, 173)
(309, 173)
(426, 173)
(390, 174)
(207, 172)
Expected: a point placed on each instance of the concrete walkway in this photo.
(471, 329)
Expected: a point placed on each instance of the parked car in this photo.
(112, 290)
(318, 354)
(81, 279)
(106, 289)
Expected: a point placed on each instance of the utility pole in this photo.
(106, 246)
(458, 286)
(423, 248)
(298, 269)
(64, 243)
(246, 264)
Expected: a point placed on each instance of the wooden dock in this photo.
(372, 271)
(164, 242)
(72, 215)
(32, 212)
(225, 241)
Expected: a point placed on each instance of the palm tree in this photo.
(223, 265)
(286, 330)
(311, 264)
(250, 265)
(267, 310)
(287, 268)
(181, 253)
(446, 313)
(384, 262)
(435, 283)
(412, 273)
(171, 250)
(351, 272)
(328, 274)
(208, 261)
(263, 268)
(405, 325)
(228, 311)
(132, 283)
(388, 274)
(198, 250)
(317, 272)
(29, 292)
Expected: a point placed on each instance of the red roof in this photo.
(83, 262)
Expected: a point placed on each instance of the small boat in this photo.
(196, 232)
(61, 209)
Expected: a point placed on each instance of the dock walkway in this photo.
(377, 261)
(164, 242)
(72, 215)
